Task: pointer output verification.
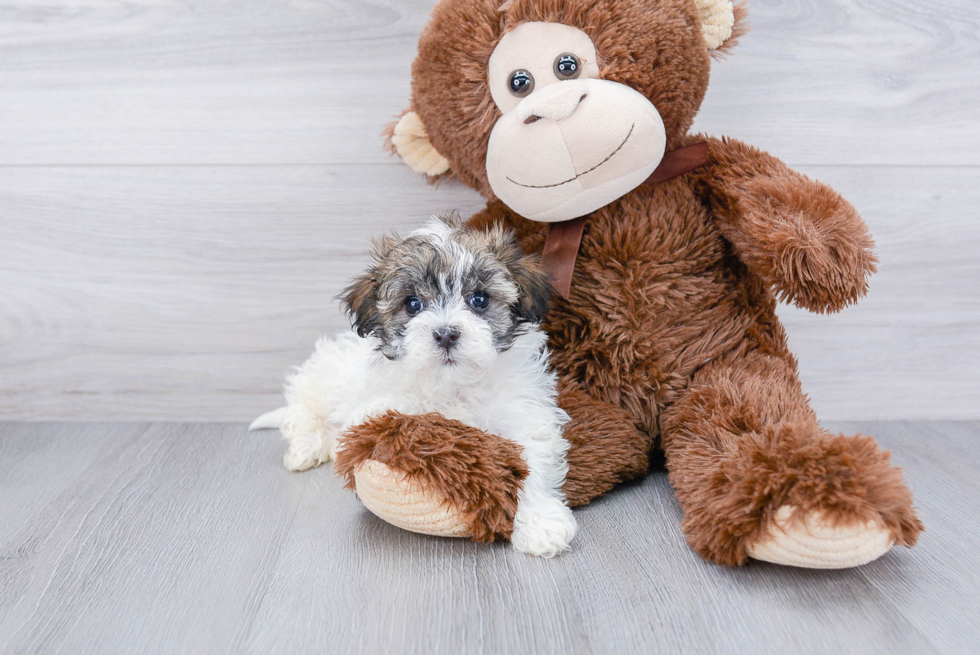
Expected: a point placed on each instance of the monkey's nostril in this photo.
(531, 119)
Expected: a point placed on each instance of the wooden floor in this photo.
(192, 538)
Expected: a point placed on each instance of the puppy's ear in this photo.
(534, 288)
(361, 304)
(360, 298)
(533, 285)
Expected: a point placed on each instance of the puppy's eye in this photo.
(567, 67)
(520, 83)
(479, 301)
(413, 305)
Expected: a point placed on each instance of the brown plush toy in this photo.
(668, 252)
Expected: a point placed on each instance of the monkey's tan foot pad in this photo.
(816, 543)
(404, 503)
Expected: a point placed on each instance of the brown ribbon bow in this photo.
(564, 238)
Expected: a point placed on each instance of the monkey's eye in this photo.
(479, 301)
(413, 305)
(521, 83)
(567, 67)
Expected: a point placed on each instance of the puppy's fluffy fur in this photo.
(447, 321)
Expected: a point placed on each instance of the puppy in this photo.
(447, 321)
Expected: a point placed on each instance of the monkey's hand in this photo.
(798, 235)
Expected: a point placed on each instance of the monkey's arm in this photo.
(798, 235)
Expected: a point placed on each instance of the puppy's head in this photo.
(448, 297)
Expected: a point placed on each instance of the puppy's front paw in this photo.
(543, 530)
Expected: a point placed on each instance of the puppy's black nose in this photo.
(446, 337)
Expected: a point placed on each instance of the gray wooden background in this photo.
(186, 185)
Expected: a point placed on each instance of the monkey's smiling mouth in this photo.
(572, 179)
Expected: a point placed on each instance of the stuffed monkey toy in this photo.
(668, 252)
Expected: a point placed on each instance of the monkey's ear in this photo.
(410, 140)
(720, 23)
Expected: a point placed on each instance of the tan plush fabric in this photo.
(397, 499)
(534, 47)
(815, 542)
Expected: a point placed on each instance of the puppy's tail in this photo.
(269, 421)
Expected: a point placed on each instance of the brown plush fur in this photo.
(670, 337)
(479, 474)
(605, 447)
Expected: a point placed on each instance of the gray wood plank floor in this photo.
(185, 186)
(192, 538)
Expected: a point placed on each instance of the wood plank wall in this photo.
(185, 186)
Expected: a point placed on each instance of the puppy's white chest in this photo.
(460, 413)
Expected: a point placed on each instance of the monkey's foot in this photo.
(815, 542)
(395, 498)
(433, 475)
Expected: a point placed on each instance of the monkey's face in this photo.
(558, 107)
(567, 143)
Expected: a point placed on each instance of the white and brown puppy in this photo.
(447, 321)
